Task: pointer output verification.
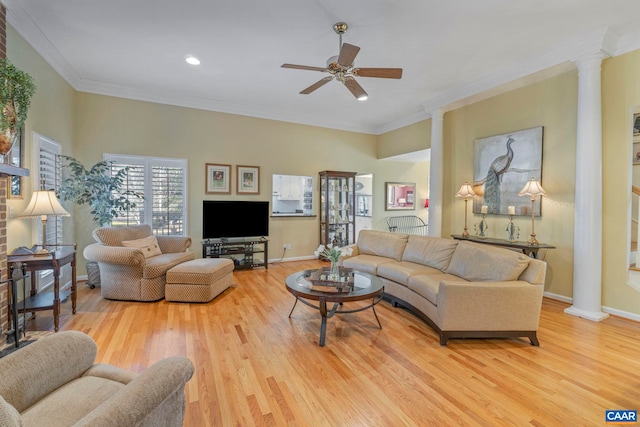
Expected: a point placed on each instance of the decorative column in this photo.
(435, 174)
(587, 240)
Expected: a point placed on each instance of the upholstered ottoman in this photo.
(199, 280)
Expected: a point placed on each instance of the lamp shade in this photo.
(466, 191)
(402, 200)
(44, 202)
(426, 203)
(533, 189)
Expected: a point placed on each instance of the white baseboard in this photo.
(558, 297)
(299, 258)
(614, 311)
(621, 313)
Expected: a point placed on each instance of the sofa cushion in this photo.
(85, 393)
(158, 266)
(400, 271)
(480, 263)
(148, 246)
(431, 251)
(366, 263)
(382, 243)
(426, 285)
(9, 416)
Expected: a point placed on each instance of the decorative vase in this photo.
(8, 137)
(334, 272)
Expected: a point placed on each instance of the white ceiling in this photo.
(451, 51)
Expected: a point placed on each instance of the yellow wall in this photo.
(122, 126)
(51, 114)
(621, 97)
(552, 104)
(407, 139)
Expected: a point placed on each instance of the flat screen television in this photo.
(229, 218)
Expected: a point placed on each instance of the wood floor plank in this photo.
(256, 366)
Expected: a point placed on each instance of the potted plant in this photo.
(16, 90)
(103, 191)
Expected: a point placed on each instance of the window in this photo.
(48, 177)
(163, 183)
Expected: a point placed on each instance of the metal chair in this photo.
(407, 224)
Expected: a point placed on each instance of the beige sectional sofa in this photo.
(461, 289)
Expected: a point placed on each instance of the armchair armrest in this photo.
(173, 244)
(148, 391)
(27, 375)
(114, 254)
(492, 306)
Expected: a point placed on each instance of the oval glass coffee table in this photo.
(365, 286)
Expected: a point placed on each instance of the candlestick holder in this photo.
(482, 227)
(513, 230)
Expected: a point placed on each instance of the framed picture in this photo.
(248, 179)
(502, 165)
(636, 153)
(16, 154)
(400, 196)
(218, 179)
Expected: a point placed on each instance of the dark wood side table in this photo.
(525, 247)
(63, 255)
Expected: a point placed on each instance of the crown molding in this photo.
(20, 20)
(628, 43)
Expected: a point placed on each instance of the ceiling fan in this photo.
(341, 68)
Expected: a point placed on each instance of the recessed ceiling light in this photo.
(192, 60)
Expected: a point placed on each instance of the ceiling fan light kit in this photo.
(341, 68)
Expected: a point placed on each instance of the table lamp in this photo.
(533, 189)
(44, 204)
(466, 191)
(402, 201)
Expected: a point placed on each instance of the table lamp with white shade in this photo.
(466, 191)
(533, 189)
(44, 204)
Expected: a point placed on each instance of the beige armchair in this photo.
(54, 382)
(125, 272)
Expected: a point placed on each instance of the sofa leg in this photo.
(533, 338)
(443, 339)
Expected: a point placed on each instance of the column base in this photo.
(595, 316)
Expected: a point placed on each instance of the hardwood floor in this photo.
(255, 366)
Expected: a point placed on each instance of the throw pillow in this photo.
(148, 246)
(9, 415)
(482, 263)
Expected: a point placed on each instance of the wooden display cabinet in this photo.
(337, 208)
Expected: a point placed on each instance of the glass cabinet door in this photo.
(337, 208)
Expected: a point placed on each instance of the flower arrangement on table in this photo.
(333, 254)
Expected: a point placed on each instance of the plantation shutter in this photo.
(49, 178)
(163, 183)
(168, 186)
(133, 182)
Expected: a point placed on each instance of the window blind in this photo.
(163, 183)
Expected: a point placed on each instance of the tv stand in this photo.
(245, 252)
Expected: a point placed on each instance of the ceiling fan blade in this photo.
(303, 67)
(355, 88)
(348, 53)
(316, 85)
(383, 73)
